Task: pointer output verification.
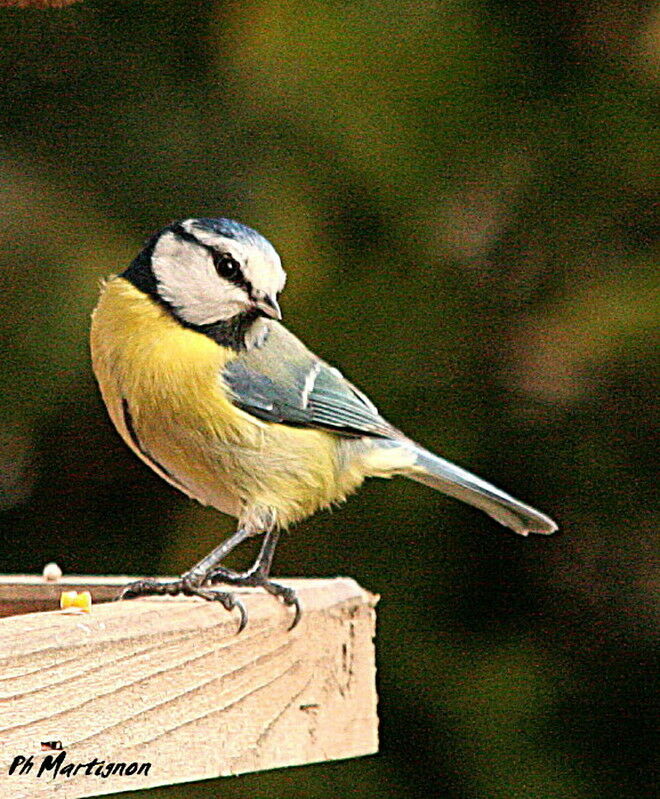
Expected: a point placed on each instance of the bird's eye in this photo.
(226, 265)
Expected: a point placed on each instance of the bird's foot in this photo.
(187, 587)
(256, 578)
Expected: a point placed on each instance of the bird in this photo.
(207, 387)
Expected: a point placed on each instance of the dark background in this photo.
(461, 192)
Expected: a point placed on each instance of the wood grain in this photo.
(167, 681)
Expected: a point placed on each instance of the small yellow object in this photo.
(80, 601)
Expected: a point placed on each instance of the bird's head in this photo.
(210, 270)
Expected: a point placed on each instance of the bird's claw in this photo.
(230, 602)
(257, 580)
(288, 597)
(295, 602)
(150, 587)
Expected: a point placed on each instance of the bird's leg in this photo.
(191, 583)
(257, 575)
(201, 571)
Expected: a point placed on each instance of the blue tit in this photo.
(208, 388)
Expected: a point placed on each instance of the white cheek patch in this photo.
(262, 266)
(187, 280)
(265, 273)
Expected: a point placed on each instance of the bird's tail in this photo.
(450, 479)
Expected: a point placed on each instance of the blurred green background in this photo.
(461, 192)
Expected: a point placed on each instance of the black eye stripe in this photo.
(238, 278)
(181, 233)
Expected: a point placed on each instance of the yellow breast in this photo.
(189, 431)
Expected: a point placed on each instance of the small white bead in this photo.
(51, 572)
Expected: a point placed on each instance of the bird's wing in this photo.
(282, 381)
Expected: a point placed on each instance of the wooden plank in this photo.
(28, 593)
(166, 681)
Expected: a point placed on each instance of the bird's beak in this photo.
(268, 306)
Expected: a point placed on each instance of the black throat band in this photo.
(230, 333)
(225, 332)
